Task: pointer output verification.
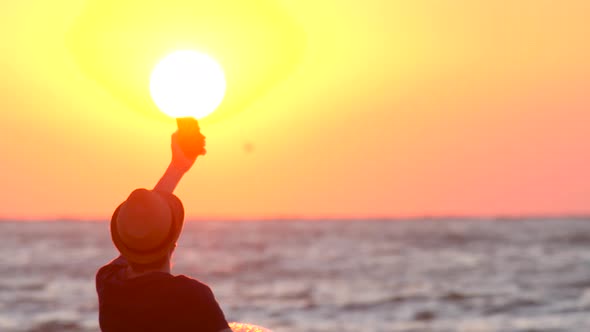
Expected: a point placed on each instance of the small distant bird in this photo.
(248, 147)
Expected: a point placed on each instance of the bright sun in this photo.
(187, 83)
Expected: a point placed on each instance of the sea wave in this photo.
(294, 276)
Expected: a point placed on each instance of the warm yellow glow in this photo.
(118, 43)
(501, 110)
(187, 83)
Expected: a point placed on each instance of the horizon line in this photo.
(458, 217)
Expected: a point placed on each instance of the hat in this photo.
(147, 225)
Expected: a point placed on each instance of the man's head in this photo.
(145, 228)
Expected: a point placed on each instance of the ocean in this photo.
(324, 276)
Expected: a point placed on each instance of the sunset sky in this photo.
(334, 108)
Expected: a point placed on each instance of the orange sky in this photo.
(334, 108)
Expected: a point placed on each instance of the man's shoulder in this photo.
(190, 285)
(187, 292)
(107, 271)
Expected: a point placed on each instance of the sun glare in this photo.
(187, 83)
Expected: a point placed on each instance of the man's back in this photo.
(156, 301)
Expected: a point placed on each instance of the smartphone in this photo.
(189, 136)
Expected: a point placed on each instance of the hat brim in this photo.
(162, 250)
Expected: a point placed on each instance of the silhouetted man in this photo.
(136, 291)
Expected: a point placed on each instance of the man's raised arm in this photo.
(181, 163)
